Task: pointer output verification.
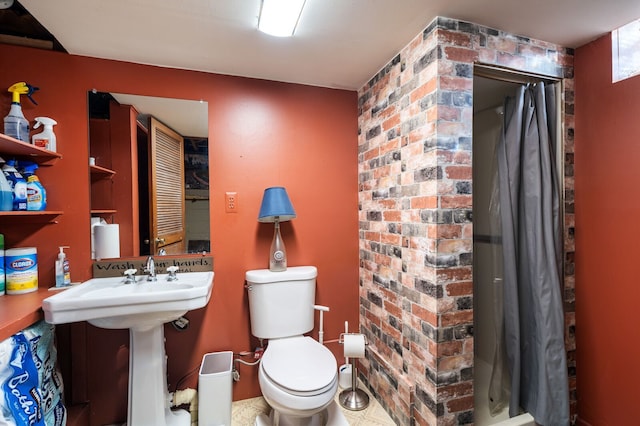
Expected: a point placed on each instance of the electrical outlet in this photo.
(231, 202)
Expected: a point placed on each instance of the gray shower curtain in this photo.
(532, 256)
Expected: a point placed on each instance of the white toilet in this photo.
(298, 376)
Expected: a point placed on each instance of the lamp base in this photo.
(277, 253)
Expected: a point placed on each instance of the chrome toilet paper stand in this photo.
(353, 399)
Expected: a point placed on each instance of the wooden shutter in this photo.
(167, 196)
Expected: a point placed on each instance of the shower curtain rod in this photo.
(511, 76)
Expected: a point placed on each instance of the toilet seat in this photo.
(299, 366)
(298, 376)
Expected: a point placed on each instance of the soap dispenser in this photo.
(63, 272)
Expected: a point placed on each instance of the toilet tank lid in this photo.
(294, 273)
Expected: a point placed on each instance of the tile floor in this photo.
(244, 412)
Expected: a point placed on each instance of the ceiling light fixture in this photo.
(280, 17)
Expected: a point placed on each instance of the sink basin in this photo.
(110, 303)
(143, 307)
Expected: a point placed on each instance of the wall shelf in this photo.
(19, 311)
(13, 147)
(30, 217)
(100, 212)
(99, 172)
(23, 213)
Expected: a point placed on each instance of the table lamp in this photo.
(276, 207)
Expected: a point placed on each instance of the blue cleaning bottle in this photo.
(6, 193)
(36, 194)
(18, 185)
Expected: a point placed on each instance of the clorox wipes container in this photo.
(21, 268)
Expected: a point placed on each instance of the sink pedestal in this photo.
(148, 394)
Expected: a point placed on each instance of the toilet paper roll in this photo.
(354, 345)
(107, 241)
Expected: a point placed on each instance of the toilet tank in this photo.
(281, 303)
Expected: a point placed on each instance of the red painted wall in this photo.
(261, 134)
(607, 176)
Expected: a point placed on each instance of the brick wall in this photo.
(415, 201)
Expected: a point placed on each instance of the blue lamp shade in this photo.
(276, 204)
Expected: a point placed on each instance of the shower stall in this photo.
(495, 388)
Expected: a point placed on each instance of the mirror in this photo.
(151, 171)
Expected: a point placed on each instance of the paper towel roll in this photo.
(94, 222)
(354, 345)
(107, 239)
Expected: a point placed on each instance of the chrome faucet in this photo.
(150, 268)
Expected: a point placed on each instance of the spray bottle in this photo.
(18, 185)
(45, 139)
(6, 193)
(36, 194)
(15, 125)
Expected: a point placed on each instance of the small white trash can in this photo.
(215, 386)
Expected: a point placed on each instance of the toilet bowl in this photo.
(298, 376)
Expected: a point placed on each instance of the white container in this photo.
(21, 268)
(344, 376)
(215, 386)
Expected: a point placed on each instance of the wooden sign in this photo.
(186, 263)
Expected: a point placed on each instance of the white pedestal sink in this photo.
(142, 307)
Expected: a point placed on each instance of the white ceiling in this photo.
(338, 43)
(189, 118)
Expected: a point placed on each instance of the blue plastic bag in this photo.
(30, 382)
